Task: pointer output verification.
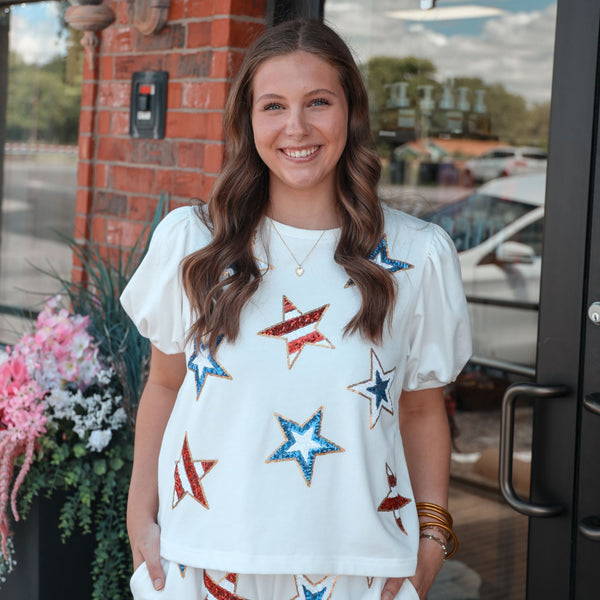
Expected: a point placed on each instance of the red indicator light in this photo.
(146, 89)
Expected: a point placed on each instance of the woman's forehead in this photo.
(298, 69)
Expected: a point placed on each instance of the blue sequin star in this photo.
(303, 443)
(380, 256)
(320, 590)
(376, 390)
(203, 363)
(313, 596)
(379, 389)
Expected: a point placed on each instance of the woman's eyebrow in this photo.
(269, 97)
(311, 93)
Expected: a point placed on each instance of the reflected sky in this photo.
(514, 46)
(35, 31)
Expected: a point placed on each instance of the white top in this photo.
(283, 452)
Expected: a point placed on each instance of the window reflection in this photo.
(43, 95)
(478, 217)
(460, 106)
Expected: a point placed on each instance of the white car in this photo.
(498, 232)
(506, 161)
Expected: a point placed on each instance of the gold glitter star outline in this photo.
(371, 398)
(328, 447)
(188, 464)
(370, 581)
(317, 587)
(395, 265)
(288, 326)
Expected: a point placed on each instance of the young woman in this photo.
(292, 433)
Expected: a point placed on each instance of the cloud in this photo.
(34, 32)
(514, 49)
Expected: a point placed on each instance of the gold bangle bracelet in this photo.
(445, 528)
(429, 515)
(430, 506)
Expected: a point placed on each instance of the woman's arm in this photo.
(426, 439)
(164, 380)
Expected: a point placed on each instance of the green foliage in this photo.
(95, 484)
(44, 100)
(98, 297)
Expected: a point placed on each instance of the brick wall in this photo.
(120, 179)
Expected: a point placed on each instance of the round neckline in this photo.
(297, 232)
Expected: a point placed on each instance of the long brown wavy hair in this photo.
(240, 196)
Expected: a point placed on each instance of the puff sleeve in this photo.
(154, 298)
(440, 333)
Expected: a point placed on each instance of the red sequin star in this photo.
(298, 329)
(188, 473)
(393, 502)
(224, 589)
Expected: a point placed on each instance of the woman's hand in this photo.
(145, 546)
(429, 563)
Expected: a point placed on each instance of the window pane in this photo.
(460, 106)
(40, 158)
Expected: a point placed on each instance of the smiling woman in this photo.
(297, 353)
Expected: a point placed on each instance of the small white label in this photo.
(144, 115)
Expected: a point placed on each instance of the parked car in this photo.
(506, 161)
(498, 233)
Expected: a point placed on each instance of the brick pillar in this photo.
(120, 178)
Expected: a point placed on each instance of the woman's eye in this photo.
(273, 106)
(320, 102)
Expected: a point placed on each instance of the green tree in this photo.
(381, 71)
(42, 105)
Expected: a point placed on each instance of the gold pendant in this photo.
(299, 271)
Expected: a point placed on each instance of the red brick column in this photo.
(120, 178)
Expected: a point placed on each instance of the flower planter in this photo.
(46, 568)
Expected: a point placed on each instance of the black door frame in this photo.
(555, 546)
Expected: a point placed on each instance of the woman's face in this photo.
(300, 122)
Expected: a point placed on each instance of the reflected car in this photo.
(498, 232)
(505, 162)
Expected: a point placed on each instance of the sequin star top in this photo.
(283, 452)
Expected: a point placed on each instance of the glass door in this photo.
(564, 545)
(460, 109)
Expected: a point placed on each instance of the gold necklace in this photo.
(299, 269)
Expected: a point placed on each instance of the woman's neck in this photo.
(304, 211)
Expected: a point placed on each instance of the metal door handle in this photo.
(589, 527)
(592, 403)
(505, 470)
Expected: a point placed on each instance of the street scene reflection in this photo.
(460, 105)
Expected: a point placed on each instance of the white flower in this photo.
(99, 439)
(119, 417)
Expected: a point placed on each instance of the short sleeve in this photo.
(440, 333)
(154, 298)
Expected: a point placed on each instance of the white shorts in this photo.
(188, 583)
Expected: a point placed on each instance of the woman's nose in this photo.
(297, 124)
